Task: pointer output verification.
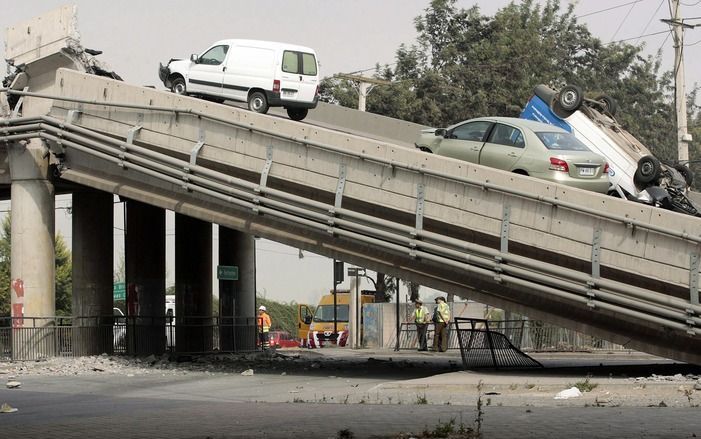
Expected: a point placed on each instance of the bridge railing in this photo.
(526, 335)
(33, 338)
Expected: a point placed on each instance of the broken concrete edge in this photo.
(65, 41)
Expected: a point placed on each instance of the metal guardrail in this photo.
(44, 337)
(526, 335)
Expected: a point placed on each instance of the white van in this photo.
(634, 172)
(262, 73)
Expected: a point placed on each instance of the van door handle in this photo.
(223, 69)
(513, 154)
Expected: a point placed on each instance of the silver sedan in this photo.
(521, 146)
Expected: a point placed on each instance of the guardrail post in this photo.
(694, 262)
(420, 196)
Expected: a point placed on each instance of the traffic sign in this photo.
(119, 291)
(227, 272)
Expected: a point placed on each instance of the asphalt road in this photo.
(319, 397)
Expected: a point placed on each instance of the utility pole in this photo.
(678, 26)
(364, 86)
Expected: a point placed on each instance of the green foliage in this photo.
(64, 283)
(283, 315)
(465, 64)
(585, 386)
(64, 277)
(5, 278)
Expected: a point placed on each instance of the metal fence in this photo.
(31, 338)
(482, 347)
(526, 335)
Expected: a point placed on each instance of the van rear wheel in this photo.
(258, 102)
(297, 113)
(649, 169)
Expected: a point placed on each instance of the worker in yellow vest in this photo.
(441, 318)
(264, 324)
(421, 320)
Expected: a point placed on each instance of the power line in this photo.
(623, 21)
(608, 9)
(652, 18)
(640, 36)
(665, 40)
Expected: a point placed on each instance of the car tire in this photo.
(686, 173)
(649, 169)
(570, 98)
(608, 104)
(559, 111)
(178, 86)
(297, 113)
(258, 102)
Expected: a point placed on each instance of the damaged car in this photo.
(634, 172)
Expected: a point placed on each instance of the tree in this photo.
(465, 64)
(5, 278)
(64, 277)
(283, 315)
(64, 283)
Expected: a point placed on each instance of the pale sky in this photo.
(348, 36)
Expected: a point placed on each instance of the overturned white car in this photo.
(634, 172)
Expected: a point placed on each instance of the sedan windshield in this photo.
(324, 313)
(561, 142)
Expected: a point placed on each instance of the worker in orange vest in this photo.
(264, 324)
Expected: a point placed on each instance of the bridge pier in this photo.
(237, 298)
(145, 266)
(92, 301)
(32, 234)
(193, 284)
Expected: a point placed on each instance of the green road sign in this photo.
(227, 272)
(120, 291)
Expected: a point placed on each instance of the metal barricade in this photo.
(481, 347)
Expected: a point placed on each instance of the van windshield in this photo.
(324, 313)
(299, 63)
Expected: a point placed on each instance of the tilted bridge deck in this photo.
(622, 271)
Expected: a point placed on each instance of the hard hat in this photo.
(262, 308)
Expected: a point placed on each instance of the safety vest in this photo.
(444, 312)
(421, 315)
(264, 322)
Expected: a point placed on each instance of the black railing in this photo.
(526, 335)
(31, 338)
(480, 346)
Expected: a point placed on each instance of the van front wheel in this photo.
(178, 86)
(297, 113)
(257, 102)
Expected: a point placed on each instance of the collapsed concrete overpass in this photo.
(622, 271)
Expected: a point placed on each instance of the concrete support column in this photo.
(145, 266)
(93, 243)
(237, 298)
(193, 285)
(32, 232)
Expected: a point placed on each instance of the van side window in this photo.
(290, 62)
(308, 64)
(214, 56)
(298, 63)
